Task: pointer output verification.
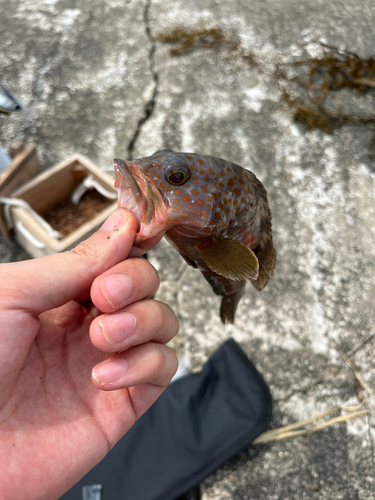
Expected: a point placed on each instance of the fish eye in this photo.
(177, 173)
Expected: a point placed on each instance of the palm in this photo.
(56, 423)
(55, 400)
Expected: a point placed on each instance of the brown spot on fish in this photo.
(177, 192)
(200, 202)
(195, 192)
(230, 182)
(203, 213)
(186, 197)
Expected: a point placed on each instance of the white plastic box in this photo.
(44, 191)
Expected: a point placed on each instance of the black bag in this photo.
(198, 423)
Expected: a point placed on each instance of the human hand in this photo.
(76, 374)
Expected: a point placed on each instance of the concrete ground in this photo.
(98, 78)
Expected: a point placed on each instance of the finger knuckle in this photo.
(151, 274)
(167, 315)
(156, 314)
(158, 358)
(85, 250)
(174, 319)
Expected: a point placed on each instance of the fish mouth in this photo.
(137, 193)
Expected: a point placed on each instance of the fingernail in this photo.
(116, 288)
(117, 328)
(110, 371)
(115, 220)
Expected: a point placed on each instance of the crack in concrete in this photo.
(321, 381)
(360, 346)
(150, 105)
(372, 443)
(301, 390)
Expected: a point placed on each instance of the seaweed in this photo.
(318, 80)
(188, 40)
(326, 76)
(312, 116)
(340, 69)
(371, 148)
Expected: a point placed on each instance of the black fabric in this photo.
(193, 494)
(198, 423)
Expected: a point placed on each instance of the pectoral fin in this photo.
(230, 259)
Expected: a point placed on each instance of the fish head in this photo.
(165, 190)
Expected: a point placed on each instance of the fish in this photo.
(213, 212)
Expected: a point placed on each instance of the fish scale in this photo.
(213, 212)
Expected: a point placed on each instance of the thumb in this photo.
(32, 287)
(52, 281)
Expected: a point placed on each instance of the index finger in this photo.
(129, 281)
(48, 282)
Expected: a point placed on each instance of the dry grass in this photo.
(297, 429)
(304, 428)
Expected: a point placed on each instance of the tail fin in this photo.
(228, 307)
(230, 290)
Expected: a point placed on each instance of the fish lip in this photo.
(145, 202)
(122, 169)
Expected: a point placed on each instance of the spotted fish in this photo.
(213, 212)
